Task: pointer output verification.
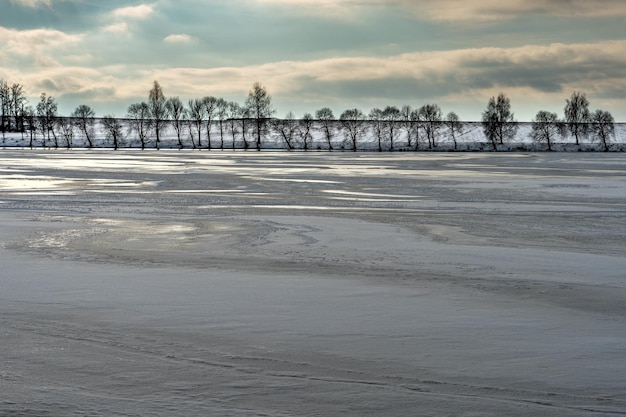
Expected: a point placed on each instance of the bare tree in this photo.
(140, 120)
(5, 107)
(222, 113)
(327, 120)
(378, 124)
(416, 127)
(407, 123)
(29, 118)
(603, 126)
(455, 127)
(158, 111)
(352, 121)
(498, 120)
(113, 127)
(47, 115)
(391, 115)
(233, 113)
(84, 118)
(305, 125)
(260, 104)
(196, 118)
(429, 116)
(577, 115)
(66, 125)
(18, 101)
(176, 113)
(287, 128)
(210, 107)
(244, 115)
(546, 126)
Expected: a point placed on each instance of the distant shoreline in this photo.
(289, 135)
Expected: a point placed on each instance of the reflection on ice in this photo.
(41, 185)
(19, 182)
(357, 193)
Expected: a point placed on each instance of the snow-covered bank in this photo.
(242, 284)
(291, 135)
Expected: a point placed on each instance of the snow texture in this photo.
(181, 283)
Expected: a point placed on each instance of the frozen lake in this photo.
(320, 284)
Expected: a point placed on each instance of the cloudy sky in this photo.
(315, 53)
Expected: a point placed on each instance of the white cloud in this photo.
(532, 74)
(117, 28)
(32, 3)
(465, 10)
(141, 11)
(329, 8)
(122, 15)
(40, 45)
(178, 38)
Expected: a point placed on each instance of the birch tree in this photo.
(603, 126)
(158, 111)
(498, 120)
(140, 121)
(84, 119)
(545, 127)
(352, 121)
(260, 104)
(176, 113)
(327, 120)
(577, 115)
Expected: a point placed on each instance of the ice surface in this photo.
(282, 284)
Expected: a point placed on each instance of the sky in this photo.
(311, 54)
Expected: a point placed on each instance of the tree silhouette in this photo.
(407, 123)
(577, 115)
(546, 126)
(47, 115)
(233, 112)
(260, 104)
(209, 104)
(377, 122)
(176, 113)
(455, 127)
(196, 119)
(18, 101)
(66, 126)
(286, 128)
(498, 120)
(222, 114)
(429, 117)
(305, 125)
(84, 119)
(352, 121)
(5, 106)
(391, 116)
(603, 126)
(140, 122)
(113, 127)
(158, 111)
(327, 119)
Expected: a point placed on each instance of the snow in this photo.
(472, 138)
(283, 284)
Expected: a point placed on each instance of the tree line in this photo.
(199, 120)
(499, 123)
